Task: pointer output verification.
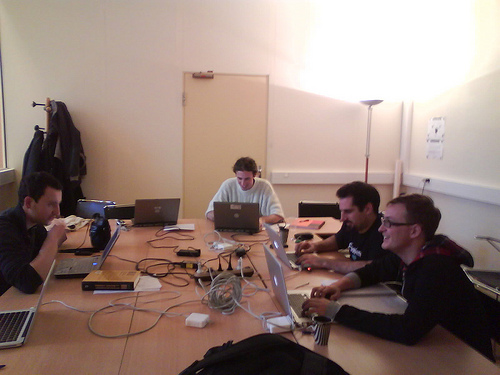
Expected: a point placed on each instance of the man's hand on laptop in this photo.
(331, 292)
(305, 247)
(312, 260)
(319, 306)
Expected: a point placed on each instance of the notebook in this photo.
(15, 325)
(81, 267)
(236, 217)
(288, 258)
(156, 212)
(290, 302)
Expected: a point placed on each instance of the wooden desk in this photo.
(61, 343)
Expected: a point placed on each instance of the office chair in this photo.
(319, 209)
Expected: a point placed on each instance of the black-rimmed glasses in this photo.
(389, 223)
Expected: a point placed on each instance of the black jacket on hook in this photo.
(32, 157)
(61, 155)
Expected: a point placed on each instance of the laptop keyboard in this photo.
(77, 265)
(296, 301)
(11, 324)
(292, 257)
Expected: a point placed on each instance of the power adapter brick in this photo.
(279, 324)
(197, 320)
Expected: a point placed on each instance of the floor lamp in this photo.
(370, 104)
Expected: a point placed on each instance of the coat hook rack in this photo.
(47, 107)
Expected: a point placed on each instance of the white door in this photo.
(224, 118)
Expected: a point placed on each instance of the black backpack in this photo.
(264, 354)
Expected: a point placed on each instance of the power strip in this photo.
(207, 276)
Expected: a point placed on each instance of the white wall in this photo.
(471, 156)
(118, 66)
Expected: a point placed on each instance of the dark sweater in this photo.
(18, 247)
(362, 246)
(437, 291)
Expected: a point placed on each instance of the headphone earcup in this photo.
(100, 232)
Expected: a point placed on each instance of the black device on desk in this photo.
(87, 208)
(72, 267)
(80, 251)
(120, 211)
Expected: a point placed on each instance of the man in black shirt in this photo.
(359, 203)
(434, 284)
(27, 250)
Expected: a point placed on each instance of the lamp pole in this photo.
(370, 104)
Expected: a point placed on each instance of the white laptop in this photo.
(288, 258)
(81, 267)
(15, 325)
(290, 302)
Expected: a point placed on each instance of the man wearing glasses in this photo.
(434, 285)
(359, 203)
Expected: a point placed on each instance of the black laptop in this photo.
(236, 217)
(156, 212)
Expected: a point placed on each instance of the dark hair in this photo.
(420, 209)
(34, 185)
(361, 193)
(245, 164)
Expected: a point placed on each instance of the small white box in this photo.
(197, 320)
(279, 324)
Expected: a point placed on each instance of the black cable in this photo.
(171, 266)
(169, 235)
(84, 239)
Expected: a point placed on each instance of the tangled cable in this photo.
(225, 293)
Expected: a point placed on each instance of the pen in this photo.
(300, 286)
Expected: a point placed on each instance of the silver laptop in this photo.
(81, 267)
(290, 302)
(288, 258)
(236, 217)
(489, 280)
(15, 325)
(156, 212)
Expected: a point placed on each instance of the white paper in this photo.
(179, 227)
(435, 138)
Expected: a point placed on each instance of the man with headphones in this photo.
(359, 203)
(247, 187)
(27, 250)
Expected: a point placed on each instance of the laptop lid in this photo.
(110, 244)
(279, 249)
(279, 287)
(236, 217)
(81, 267)
(487, 279)
(16, 335)
(151, 212)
